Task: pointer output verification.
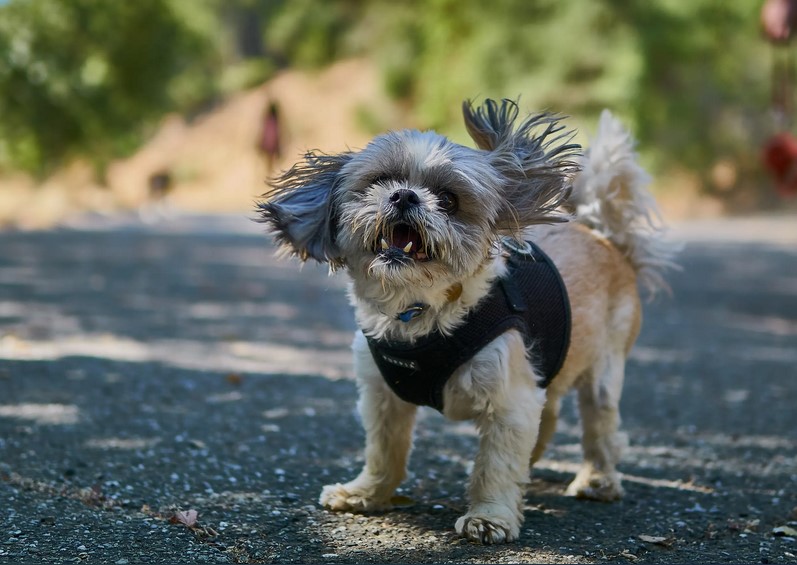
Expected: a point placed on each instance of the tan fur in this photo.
(606, 318)
(516, 178)
(498, 390)
(602, 288)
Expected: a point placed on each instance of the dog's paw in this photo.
(593, 485)
(487, 528)
(350, 498)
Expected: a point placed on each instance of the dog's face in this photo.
(414, 207)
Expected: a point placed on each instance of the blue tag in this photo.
(412, 312)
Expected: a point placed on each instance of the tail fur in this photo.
(610, 195)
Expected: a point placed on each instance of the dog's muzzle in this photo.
(402, 242)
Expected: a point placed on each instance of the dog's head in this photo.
(413, 206)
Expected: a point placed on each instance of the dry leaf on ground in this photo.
(658, 540)
(187, 518)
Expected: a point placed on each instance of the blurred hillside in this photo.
(213, 160)
(99, 96)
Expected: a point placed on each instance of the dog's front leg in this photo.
(508, 427)
(388, 423)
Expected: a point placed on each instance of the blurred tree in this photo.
(89, 76)
(702, 89)
(86, 76)
(554, 54)
(312, 33)
(690, 76)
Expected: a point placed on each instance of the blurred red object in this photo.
(779, 19)
(780, 159)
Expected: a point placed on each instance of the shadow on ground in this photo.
(145, 373)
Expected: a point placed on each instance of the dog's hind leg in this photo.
(602, 443)
(388, 423)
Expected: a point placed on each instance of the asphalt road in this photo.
(174, 393)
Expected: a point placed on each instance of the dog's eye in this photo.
(448, 202)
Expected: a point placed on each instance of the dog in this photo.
(433, 235)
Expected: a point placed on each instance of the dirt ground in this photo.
(150, 371)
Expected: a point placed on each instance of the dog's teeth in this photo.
(385, 246)
(408, 247)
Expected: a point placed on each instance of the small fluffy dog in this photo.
(486, 283)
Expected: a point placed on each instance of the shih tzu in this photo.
(486, 283)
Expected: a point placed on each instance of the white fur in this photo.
(610, 196)
(339, 208)
(376, 306)
(498, 389)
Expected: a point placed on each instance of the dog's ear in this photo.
(536, 159)
(300, 209)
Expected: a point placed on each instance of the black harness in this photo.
(531, 299)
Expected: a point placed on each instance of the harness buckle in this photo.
(520, 247)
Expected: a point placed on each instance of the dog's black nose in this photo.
(404, 198)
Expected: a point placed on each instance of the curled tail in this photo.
(610, 195)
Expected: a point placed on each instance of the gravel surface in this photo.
(172, 392)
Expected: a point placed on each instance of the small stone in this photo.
(784, 531)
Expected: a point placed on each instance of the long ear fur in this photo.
(536, 159)
(300, 208)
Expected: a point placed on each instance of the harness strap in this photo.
(531, 299)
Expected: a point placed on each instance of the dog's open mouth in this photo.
(402, 242)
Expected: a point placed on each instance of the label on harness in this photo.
(403, 363)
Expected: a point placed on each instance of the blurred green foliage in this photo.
(84, 76)
(90, 77)
(690, 76)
